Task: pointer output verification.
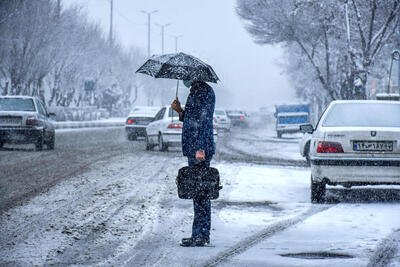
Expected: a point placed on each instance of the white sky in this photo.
(212, 31)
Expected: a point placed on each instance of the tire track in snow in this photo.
(230, 153)
(268, 232)
(386, 250)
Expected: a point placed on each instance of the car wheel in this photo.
(132, 137)
(317, 191)
(39, 143)
(161, 145)
(148, 145)
(52, 142)
(307, 153)
(279, 134)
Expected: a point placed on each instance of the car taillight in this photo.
(329, 147)
(32, 121)
(130, 121)
(241, 117)
(175, 125)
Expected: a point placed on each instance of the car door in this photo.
(42, 116)
(152, 128)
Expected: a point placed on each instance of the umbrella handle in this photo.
(177, 86)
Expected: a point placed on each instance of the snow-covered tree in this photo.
(335, 44)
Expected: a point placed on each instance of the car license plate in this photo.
(10, 121)
(380, 146)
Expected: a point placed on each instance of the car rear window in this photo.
(220, 112)
(172, 113)
(17, 104)
(363, 114)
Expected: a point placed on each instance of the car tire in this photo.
(279, 134)
(39, 143)
(317, 191)
(148, 145)
(1, 144)
(132, 137)
(52, 142)
(161, 145)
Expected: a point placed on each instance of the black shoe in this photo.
(195, 242)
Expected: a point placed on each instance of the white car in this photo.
(356, 142)
(166, 130)
(137, 121)
(222, 121)
(24, 120)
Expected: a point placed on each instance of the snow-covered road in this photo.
(123, 210)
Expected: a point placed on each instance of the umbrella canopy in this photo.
(178, 66)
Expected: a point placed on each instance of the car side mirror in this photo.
(307, 128)
(51, 115)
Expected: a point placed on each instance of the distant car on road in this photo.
(356, 142)
(137, 121)
(25, 120)
(223, 123)
(166, 130)
(290, 117)
(238, 117)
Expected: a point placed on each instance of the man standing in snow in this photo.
(198, 146)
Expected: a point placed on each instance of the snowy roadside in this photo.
(125, 212)
(112, 122)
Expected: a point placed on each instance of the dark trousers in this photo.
(202, 210)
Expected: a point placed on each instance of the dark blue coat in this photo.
(197, 132)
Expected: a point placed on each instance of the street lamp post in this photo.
(148, 28)
(176, 37)
(395, 56)
(162, 26)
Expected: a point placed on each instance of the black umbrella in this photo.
(178, 66)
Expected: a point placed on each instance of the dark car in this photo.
(25, 120)
(238, 117)
(137, 121)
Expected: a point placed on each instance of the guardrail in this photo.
(88, 124)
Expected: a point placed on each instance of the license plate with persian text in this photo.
(381, 146)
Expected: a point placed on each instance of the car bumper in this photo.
(356, 171)
(172, 138)
(223, 126)
(20, 135)
(136, 130)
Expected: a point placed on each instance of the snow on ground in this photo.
(125, 212)
(263, 142)
(353, 230)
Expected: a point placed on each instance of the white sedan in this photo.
(222, 120)
(356, 142)
(166, 130)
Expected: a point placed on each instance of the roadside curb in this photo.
(87, 124)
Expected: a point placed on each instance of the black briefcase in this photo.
(198, 181)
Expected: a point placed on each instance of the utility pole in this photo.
(162, 26)
(148, 28)
(111, 22)
(176, 37)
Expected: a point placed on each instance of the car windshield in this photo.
(16, 104)
(363, 114)
(220, 112)
(145, 110)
